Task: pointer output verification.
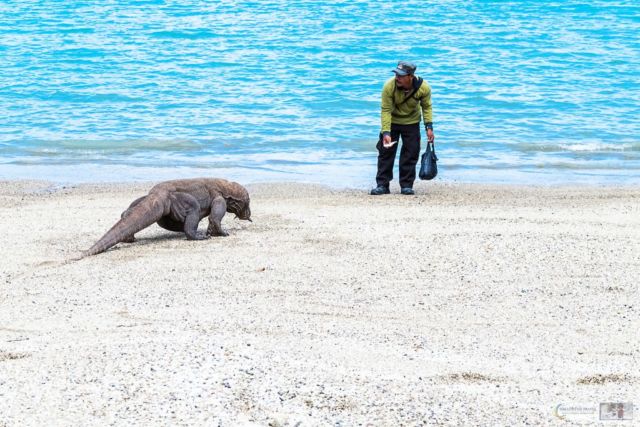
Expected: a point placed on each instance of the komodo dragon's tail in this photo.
(140, 217)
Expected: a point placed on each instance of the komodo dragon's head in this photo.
(238, 202)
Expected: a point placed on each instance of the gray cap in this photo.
(405, 68)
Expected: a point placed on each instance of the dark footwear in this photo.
(407, 191)
(379, 190)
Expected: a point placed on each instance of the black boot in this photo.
(379, 190)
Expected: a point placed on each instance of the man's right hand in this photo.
(386, 139)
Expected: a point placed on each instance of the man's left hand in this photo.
(430, 136)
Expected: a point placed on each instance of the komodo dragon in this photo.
(179, 205)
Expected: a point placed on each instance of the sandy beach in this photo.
(462, 305)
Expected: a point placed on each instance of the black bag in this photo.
(428, 166)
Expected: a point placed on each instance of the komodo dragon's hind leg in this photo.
(131, 239)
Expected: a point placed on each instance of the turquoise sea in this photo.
(523, 91)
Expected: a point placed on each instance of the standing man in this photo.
(404, 98)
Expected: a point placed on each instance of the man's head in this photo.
(404, 74)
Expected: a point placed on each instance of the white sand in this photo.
(475, 305)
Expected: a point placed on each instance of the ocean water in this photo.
(523, 92)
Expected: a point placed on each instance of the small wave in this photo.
(82, 52)
(80, 148)
(619, 168)
(596, 147)
(586, 147)
(185, 34)
(64, 97)
(133, 145)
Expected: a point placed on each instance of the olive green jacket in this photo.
(409, 112)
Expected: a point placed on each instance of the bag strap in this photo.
(433, 149)
(416, 85)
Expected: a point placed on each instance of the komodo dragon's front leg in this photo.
(218, 209)
(186, 209)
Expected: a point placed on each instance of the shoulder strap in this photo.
(416, 85)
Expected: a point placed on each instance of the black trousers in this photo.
(409, 154)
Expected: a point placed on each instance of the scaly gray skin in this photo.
(179, 205)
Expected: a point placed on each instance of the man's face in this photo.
(404, 82)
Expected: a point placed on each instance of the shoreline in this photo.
(346, 174)
(465, 304)
(423, 186)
